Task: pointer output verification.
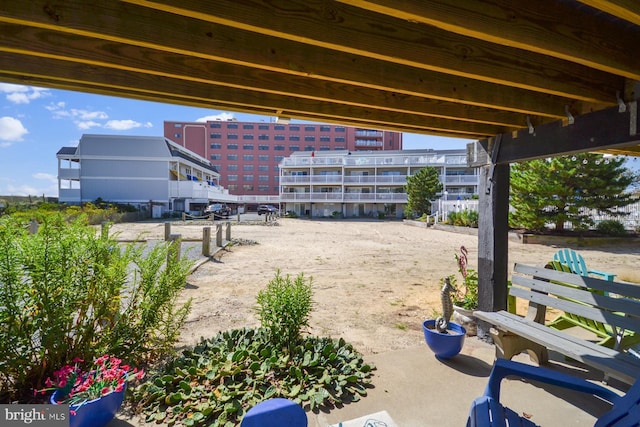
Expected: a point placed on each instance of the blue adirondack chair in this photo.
(487, 411)
(576, 264)
(277, 412)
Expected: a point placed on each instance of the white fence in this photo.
(630, 218)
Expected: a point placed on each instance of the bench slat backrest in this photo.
(573, 294)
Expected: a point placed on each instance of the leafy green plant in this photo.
(284, 307)
(68, 292)
(465, 218)
(218, 380)
(611, 227)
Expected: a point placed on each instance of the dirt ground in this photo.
(374, 282)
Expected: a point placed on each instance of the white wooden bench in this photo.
(572, 293)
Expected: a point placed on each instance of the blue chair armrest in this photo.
(605, 275)
(503, 368)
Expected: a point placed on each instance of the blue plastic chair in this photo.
(277, 412)
(487, 411)
(576, 264)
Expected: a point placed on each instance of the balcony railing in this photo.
(69, 195)
(196, 190)
(346, 179)
(344, 197)
(390, 160)
(69, 173)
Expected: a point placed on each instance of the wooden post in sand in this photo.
(206, 241)
(219, 235)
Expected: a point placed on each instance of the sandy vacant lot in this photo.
(374, 282)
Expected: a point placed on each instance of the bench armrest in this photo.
(503, 368)
(605, 275)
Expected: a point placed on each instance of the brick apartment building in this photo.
(247, 154)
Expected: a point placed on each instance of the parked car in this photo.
(267, 209)
(218, 209)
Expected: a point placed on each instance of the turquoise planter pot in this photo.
(444, 345)
(94, 413)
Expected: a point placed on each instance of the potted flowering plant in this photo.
(94, 395)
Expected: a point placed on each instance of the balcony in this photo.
(397, 159)
(197, 190)
(344, 179)
(69, 173)
(69, 195)
(345, 197)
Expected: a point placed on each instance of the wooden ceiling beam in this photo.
(72, 47)
(216, 96)
(146, 27)
(607, 129)
(548, 27)
(629, 10)
(344, 28)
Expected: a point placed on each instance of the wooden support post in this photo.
(175, 250)
(228, 233)
(206, 241)
(219, 235)
(184, 216)
(493, 210)
(167, 231)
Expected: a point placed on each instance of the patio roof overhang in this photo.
(471, 69)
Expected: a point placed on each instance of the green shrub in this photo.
(67, 292)
(465, 218)
(284, 307)
(611, 227)
(218, 380)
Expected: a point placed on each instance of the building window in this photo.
(232, 157)
(232, 136)
(247, 146)
(309, 148)
(325, 139)
(216, 157)
(263, 137)
(278, 147)
(309, 138)
(310, 128)
(177, 125)
(232, 167)
(247, 126)
(294, 137)
(232, 187)
(263, 168)
(247, 187)
(278, 138)
(324, 148)
(294, 148)
(263, 147)
(216, 146)
(276, 189)
(247, 136)
(215, 125)
(232, 126)
(278, 158)
(247, 157)
(325, 129)
(278, 127)
(338, 147)
(217, 167)
(247, 177)
(263, 177)
(263, 157)
(177, 135)
(232, 177)
(276, 168)
(339, 139)
(232, 146)
(294, 127)
(263, 188)
(276, 178)
(339, 129)
(247, 167)
(215, 135)
(263, 127)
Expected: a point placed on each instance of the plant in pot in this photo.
(94, 395)
(466, 297)
(443, 337)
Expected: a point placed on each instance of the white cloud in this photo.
(45, 176)
(87, 124)
(124, 124)
(221, 117)
(20, 94)
(11, 130)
